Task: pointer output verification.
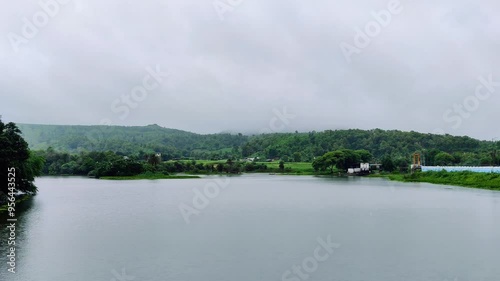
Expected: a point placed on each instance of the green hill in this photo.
(130, 140)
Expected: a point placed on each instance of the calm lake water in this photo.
(258, 227)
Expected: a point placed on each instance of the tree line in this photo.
(99, 164)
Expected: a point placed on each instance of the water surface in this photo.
(257, 228)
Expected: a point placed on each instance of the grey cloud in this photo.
(265, 55)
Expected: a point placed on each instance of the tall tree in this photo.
(14, 153)
(282, 165)
(388, 164)
(154, 159)
(328, 161)
(364, 155)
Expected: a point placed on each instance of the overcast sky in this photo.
(254, 65)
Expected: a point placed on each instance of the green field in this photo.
(299, 168)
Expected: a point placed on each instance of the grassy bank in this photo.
(150, 176)
(467, 179)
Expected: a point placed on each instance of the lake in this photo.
(255, 227)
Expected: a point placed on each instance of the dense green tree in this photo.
(220, 167)
(402, 164)
(341, 159)
(351, 159)
(470, 159)
(154, 160)
(443, 159)
(388, 164)
(14, 153)
(430, 156)
(282, 165)
(364, 155)
(486, 160)
(297, 157)
(328, 161)
(457, 158)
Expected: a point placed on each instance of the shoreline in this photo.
(149, 177)
(20, 203)
(486, 181)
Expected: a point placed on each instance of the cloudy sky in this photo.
(254, 65)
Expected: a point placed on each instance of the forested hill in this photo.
(288, 146)
(393, 143)
(130, 140)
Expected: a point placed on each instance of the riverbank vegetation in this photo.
(111, 164)
(466, 179)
